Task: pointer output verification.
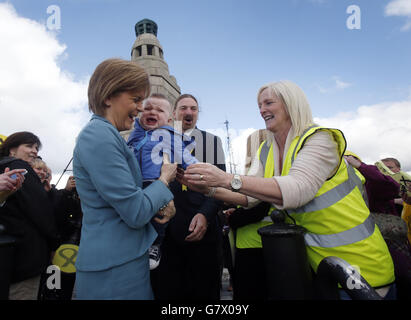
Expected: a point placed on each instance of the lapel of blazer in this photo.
(133, 164)
(199, 144)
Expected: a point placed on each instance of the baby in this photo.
(151, 138)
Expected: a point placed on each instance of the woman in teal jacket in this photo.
(112, 261)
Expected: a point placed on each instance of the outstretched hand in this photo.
(205, 174)
(181, 178)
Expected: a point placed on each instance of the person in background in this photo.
(113, 261)
(404, 290)
(254, 141)
(249, 274)
(66, 202)
(381, 189)
(297, 169)
(392, 164)
(68, 216)
(47, 181)
(40, 167)
(406, 213)
(395, 167)
(28, 216)
(191, 251)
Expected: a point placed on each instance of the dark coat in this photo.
(191, 270)
(188, 203)
(28, 216)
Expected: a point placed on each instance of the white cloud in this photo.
(36, 95)
(335, 84)
(238, 141)
(377, 131)
(372, 132)
(339, 84)
(400, 8)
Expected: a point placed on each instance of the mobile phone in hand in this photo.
(14, 176)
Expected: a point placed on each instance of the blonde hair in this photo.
(295, 103)
(38, 163)
(112, 77)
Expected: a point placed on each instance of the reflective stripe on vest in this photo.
(331, 196)
(356, 234)
(338, 208)
(265, 150)
(298, 142)
(264, 154)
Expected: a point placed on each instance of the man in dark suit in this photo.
(191, 251)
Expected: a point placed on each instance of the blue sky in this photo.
(224, 51)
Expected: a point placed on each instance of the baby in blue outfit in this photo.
(151, 138)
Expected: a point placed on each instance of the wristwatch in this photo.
(236, 183)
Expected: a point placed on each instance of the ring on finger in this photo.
(201, 177)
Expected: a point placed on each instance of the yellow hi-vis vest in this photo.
(337, 220)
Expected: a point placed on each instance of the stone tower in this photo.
(148, 53)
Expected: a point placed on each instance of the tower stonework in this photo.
(148, 53)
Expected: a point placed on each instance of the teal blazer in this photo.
(116, 210)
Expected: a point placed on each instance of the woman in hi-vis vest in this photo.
(300, 169)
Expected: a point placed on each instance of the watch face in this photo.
(236, 183)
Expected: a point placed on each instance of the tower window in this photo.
(150, 50)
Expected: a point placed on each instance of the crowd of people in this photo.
(32, 211)
(154, 209)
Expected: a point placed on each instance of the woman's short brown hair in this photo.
(114, 76)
